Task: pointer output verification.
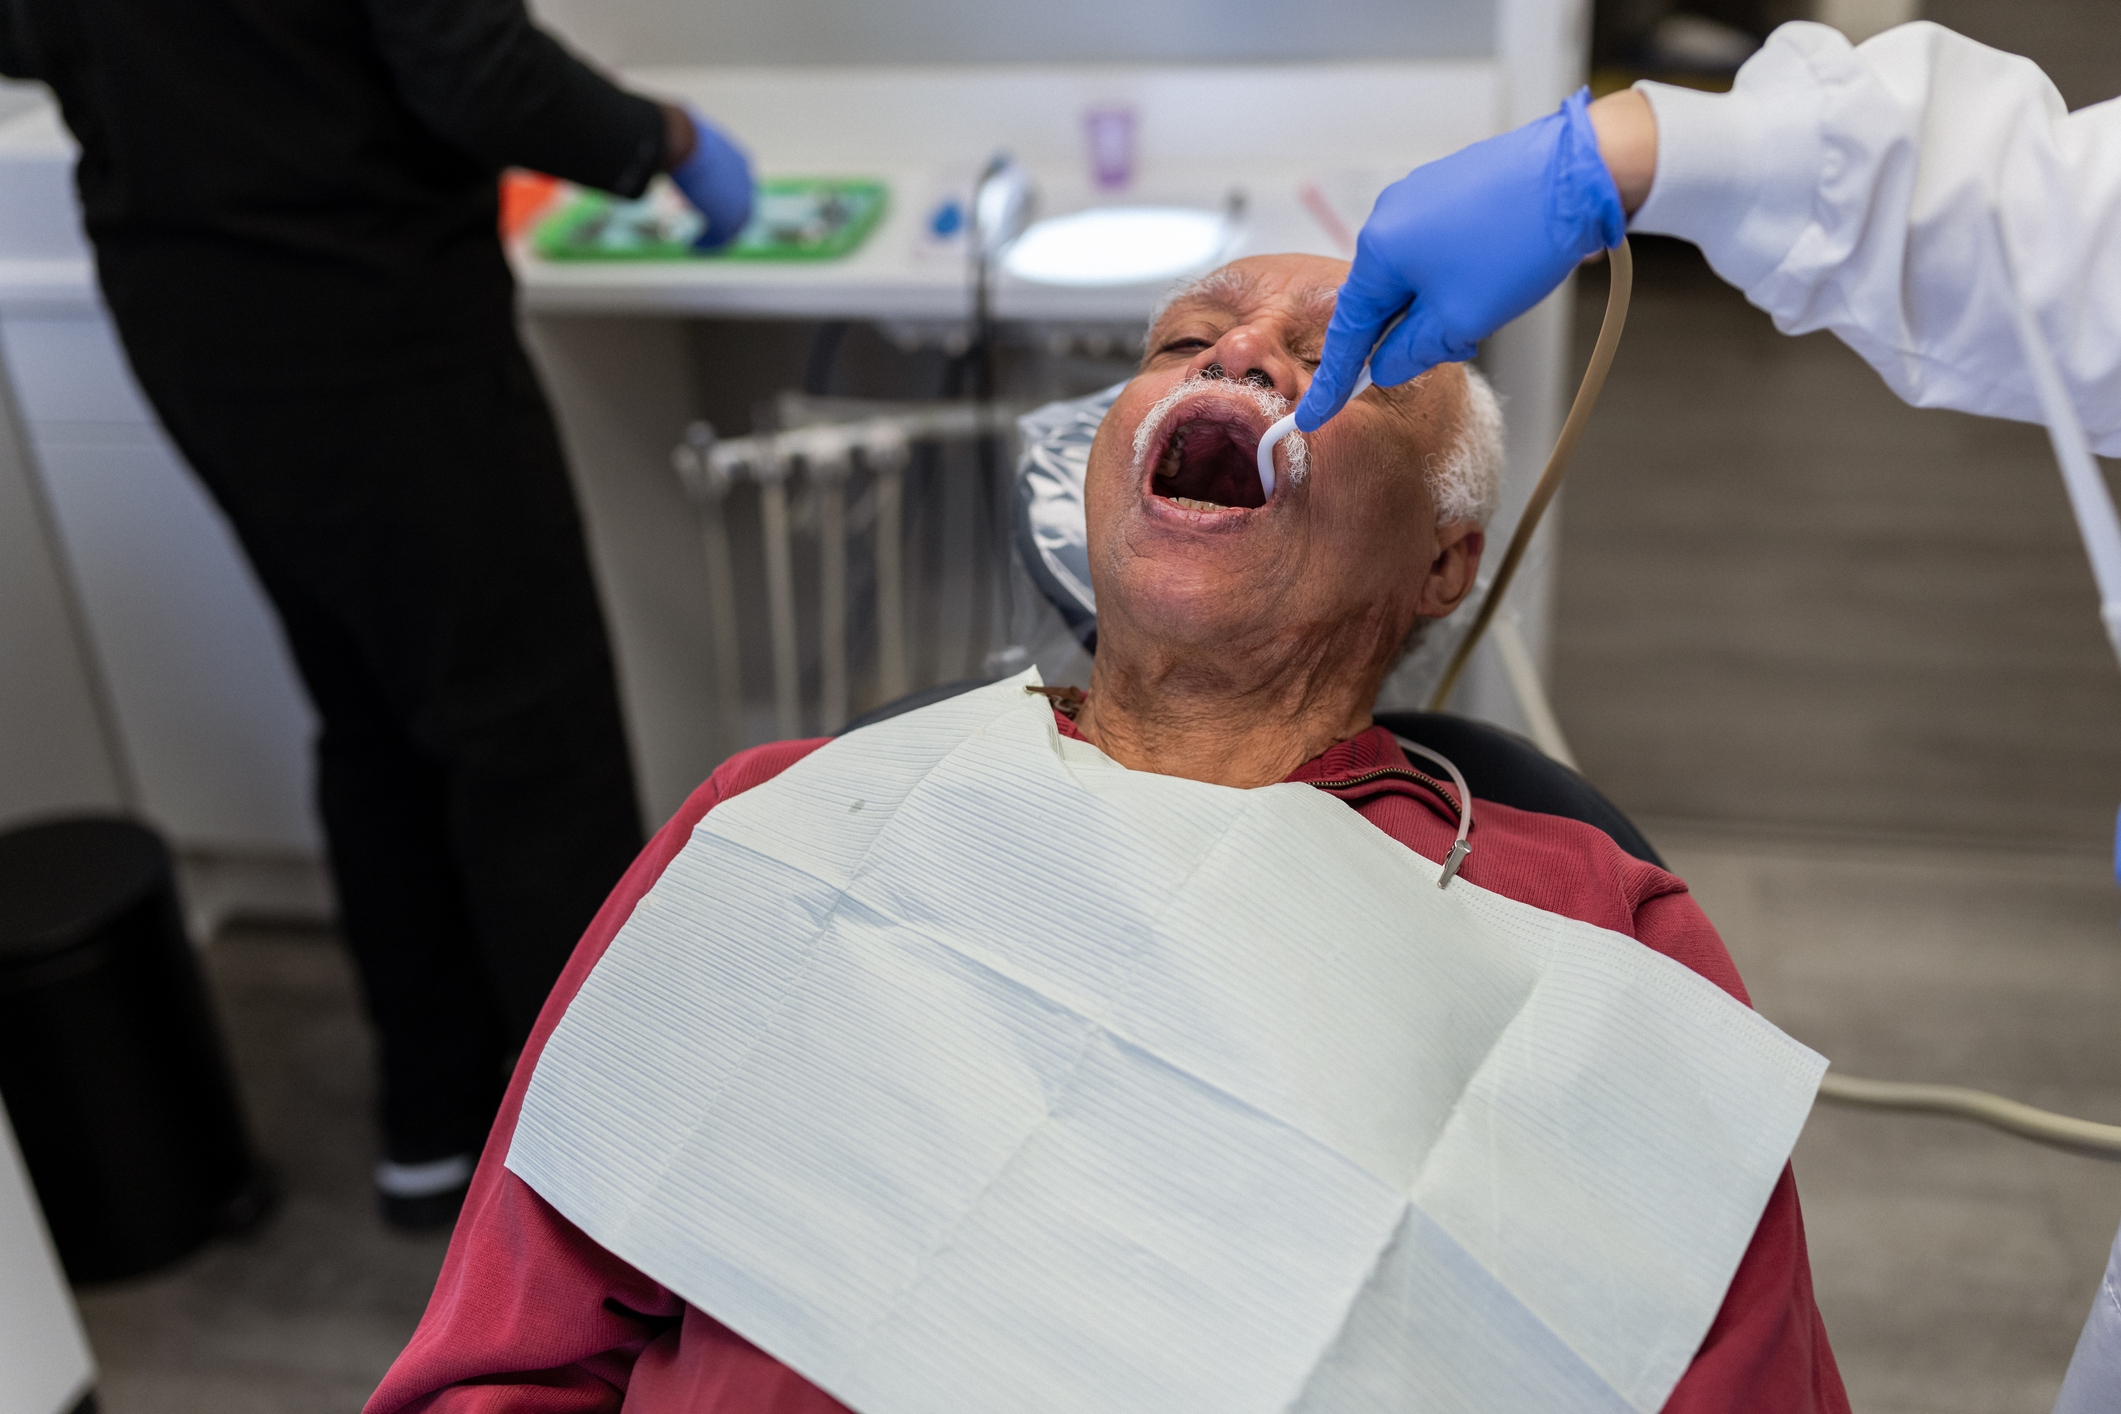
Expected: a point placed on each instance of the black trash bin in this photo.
(110, 1061)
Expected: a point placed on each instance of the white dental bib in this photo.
(961, 1068)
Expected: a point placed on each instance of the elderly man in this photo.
(1241, 645)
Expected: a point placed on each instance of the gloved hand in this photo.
(716, 178)
(1473, 240)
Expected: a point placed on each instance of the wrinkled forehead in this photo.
(1299, 295)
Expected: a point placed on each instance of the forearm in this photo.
(1871, 192)
(482, 75)
(1627, 140)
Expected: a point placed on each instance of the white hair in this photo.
(1465, 480)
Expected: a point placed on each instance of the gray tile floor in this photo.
(1954, 1265)
(1839, 657)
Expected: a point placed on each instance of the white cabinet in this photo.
(210, 722)
(45, 1366)
(213, 720)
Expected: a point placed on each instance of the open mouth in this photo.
(1209, 463)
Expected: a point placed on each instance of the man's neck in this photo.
(1211, 727)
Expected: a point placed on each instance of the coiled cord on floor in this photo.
(2078, 1136)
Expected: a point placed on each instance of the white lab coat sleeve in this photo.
(2093, 1385)
(1860, 189)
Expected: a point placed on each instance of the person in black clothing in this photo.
(294, 209)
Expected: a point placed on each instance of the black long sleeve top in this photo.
(295, 189)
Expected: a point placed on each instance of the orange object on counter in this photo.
(525, 196)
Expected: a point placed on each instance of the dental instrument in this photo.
(1273, 435)
(1002, 207)
(833, 479)
(828, 458)
(1271, 438)
(772, 472)
(884, 451)
(710, 470)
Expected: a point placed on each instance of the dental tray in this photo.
(792, 218)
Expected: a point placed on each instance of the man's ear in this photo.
(1452, 572)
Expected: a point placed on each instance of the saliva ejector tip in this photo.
(1268, 441)
(1271, 438)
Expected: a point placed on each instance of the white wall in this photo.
(640, 32)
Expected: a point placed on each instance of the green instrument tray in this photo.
(792, 218)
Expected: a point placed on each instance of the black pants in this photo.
(418, 535)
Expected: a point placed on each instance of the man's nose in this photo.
(1254, 356)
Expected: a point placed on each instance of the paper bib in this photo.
(961, 1068)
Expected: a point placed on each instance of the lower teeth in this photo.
(1192, 505)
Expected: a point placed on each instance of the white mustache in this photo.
(1295, 451)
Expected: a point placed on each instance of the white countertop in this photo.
(1202, 131)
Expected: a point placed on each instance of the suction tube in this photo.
(829, 468)
(1621, 261)
(772, 472)
(884, 448)
(2077, 1136)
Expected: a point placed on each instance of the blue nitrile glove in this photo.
(717, 179)
(1473, 240)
